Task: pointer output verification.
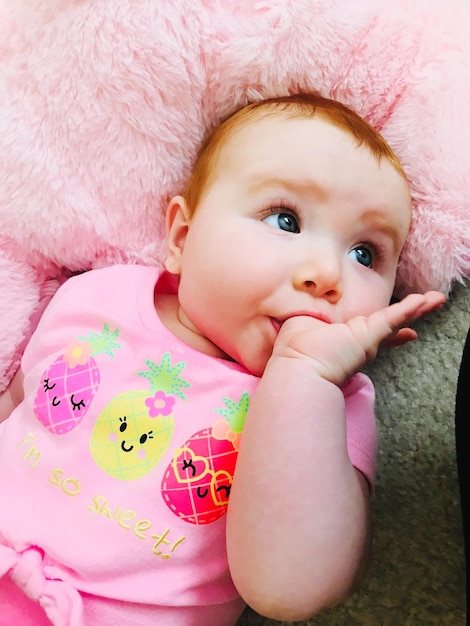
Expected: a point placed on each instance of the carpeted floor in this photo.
(416, 576)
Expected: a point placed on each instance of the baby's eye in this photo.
(362, 255)
(284, 221)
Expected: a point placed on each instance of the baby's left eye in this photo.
(362, 255)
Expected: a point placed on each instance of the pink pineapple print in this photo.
(70, 383)
(196, 485)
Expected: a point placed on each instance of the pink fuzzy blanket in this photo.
(103, 105)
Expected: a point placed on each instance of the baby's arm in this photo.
(298, 519)
(12, 396)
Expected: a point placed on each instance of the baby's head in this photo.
(296, 207)
(287, 107)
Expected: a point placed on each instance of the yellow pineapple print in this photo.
(133, 431)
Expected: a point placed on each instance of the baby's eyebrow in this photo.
(376, 221)
(306, 187)
(262, 178)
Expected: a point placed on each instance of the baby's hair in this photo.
(291, 107)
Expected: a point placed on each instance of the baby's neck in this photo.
(175, 320)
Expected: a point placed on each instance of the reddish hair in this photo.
(291, 107)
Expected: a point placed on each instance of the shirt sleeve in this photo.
(361, 429)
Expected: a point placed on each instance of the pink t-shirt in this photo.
(115, 470)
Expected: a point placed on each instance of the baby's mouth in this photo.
(277, 324)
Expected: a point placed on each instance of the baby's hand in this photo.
(337, 351)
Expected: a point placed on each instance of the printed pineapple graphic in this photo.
(70, 383)
(135, 428)
(196, 485)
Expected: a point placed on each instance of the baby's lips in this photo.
(304, 321)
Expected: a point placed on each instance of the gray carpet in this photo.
(416, 576)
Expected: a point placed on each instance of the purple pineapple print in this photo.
(68, 386)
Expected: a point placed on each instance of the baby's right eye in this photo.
(283, 221)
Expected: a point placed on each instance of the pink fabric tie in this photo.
(60, 601)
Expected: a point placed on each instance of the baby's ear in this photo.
(177, 224)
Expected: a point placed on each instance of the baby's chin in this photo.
(255, 364)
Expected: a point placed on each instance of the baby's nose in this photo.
(321, 278)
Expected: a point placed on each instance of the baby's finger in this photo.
(389, 327)
(399, 338)
(412, 308)
(432, 300)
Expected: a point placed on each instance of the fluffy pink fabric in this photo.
(104, 104)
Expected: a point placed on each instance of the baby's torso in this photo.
(118, 464)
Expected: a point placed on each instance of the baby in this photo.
(142, 388)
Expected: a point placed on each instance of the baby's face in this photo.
(297, 220)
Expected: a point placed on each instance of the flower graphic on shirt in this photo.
(160, 404)
(69, 385)
(133, 431)
(196, 485)
(77, 353)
